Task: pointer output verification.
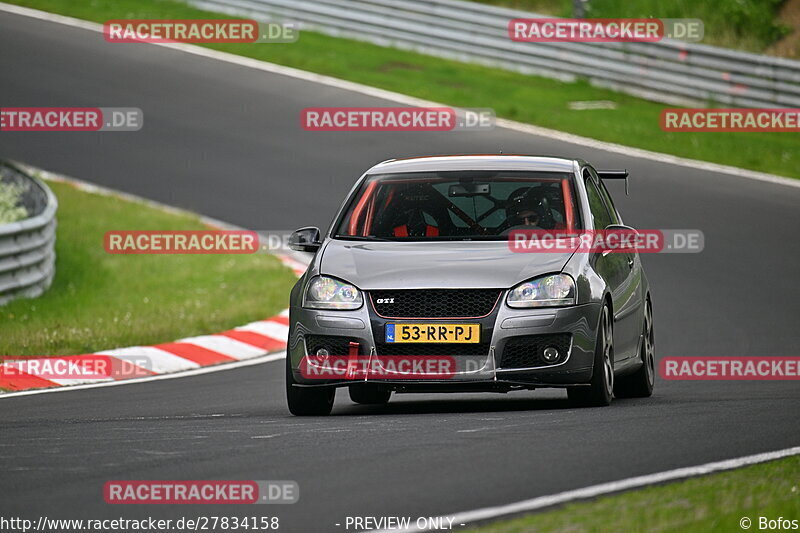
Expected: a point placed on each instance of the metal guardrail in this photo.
(27, 247)
(668, 71)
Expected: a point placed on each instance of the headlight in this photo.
(329, 293)
(547, 291)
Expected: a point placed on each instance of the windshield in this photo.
(459, 205)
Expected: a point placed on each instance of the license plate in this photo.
(434, 333)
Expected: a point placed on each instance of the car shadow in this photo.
(451, 405)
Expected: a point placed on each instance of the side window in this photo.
(600, 214)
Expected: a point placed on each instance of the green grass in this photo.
(530, 99)
(101, 301)
(709, 504)
(751, 25)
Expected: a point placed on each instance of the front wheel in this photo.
(601, 388)
(307, 401)
(640, 384)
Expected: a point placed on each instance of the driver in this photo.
(523, 211)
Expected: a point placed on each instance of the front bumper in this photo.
(482, 369)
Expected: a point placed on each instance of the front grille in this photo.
(403, 349)
(334, 344)
(434, 303)
(525, 351)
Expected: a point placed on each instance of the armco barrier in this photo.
(27, 247)
(669, 71)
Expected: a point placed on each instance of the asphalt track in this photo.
(225, 140)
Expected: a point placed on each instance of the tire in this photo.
(640, 384)
(601, 388)
(307, 402)
(368, 394)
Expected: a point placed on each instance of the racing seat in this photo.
(415, 226)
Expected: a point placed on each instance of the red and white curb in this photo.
(246, 342)
(250, 341)
(298, 267)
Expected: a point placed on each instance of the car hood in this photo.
(435, 264)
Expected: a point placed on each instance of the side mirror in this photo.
(621, 227)
(628, 236)
(305, 240)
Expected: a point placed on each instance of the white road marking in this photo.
(69, 382)
(411, 101)
(277, 356)
(594, 491)
(489, 512)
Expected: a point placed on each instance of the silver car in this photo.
(417, 286)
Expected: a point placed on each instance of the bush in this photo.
(10, 196)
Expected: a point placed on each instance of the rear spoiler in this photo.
(615, 175)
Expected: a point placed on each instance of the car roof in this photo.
(476, 162)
